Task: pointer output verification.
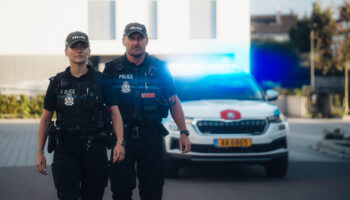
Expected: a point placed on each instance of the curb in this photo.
(16, 121)
(334, 147)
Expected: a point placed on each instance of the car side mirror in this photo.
(271, 95)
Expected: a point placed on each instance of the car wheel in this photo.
(171, 169)
(277, 167)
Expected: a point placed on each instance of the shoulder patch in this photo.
(114, 61)
(52, 78)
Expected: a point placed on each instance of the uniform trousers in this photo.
(144, 160)
(80, 171)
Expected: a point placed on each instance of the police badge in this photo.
(126, 87)
(69, 100)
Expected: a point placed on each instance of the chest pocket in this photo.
(89, 100)
(150, 97)
(77, 97)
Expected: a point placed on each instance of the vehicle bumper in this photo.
(258, 153)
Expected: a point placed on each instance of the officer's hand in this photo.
(41, 163)
(118, 153)
(184, 143)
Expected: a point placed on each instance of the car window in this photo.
(218, 87)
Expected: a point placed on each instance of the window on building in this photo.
(101, 20)
(153, 25)
(203, 19)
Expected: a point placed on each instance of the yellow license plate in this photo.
(227, 142)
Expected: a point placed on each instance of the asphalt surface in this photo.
(311, 175)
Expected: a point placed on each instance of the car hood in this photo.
(212, 108)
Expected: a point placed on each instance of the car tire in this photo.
(171, 169)
(277, 167)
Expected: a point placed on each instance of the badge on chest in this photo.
(126, 87)
(69, 100)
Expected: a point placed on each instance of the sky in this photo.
(299, 7)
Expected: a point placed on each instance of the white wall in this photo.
(40, 26)
(34, 31)
(292, 106)
(32, 27)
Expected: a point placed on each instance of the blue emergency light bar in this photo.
(199, 65)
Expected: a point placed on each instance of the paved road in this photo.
(311, 175)
(306, 132)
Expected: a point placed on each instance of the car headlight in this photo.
(274, 119)
(283, 117)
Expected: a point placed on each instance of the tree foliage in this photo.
(343, 40)
(343, 49)
(299, 35)
(324, 27)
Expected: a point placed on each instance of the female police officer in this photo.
(79, 97)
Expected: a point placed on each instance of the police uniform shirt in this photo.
(74, 97)
(166, 79)
(131, 80)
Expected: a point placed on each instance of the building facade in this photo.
(272, 27)
(33, 33)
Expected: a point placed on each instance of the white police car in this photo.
(230, 119)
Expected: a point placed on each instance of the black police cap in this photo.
(135, 28)
(75, 37)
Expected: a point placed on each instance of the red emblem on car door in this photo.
(230, 114)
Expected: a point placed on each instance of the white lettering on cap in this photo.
(78, 37)
(136, 28)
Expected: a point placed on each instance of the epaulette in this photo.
(115, 65)
(115, 60)
(157, 62)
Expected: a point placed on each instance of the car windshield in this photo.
(218, 87)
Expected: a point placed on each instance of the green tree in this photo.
(299, 35)
(342, 44)
(325, 28)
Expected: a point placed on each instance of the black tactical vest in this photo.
(79, 102)
(140, 91)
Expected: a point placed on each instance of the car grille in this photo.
(205, 148)
(221, 127)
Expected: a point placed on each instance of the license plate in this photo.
(238, 142)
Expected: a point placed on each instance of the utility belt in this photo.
(137, 131)
(82, 134)
(66, 136)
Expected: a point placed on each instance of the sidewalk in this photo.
(334, 147)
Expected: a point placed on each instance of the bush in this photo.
(332, 135)
(21, 106)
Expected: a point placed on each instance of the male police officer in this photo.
(146, 92)
(79, 97)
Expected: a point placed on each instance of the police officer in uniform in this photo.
(146, 92)
(79, 95)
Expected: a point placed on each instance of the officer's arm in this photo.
(119, 150)
(179, 118)
(42, 131)
(177, 113)
(42, 134)
(117, 122)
